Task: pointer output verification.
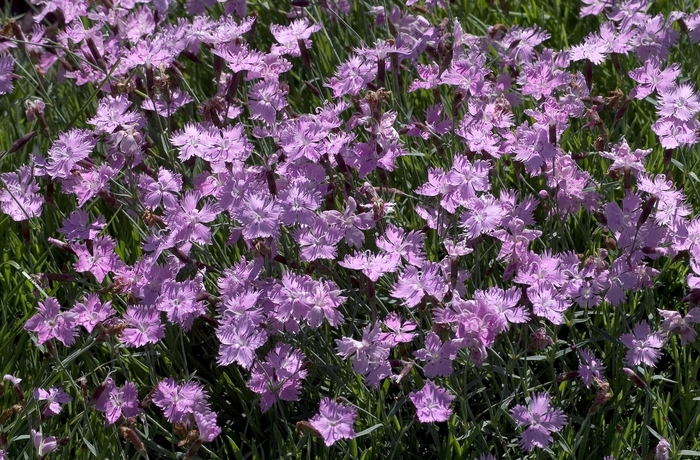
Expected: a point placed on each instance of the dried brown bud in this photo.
(180, 429)
(7, 413)
(133, 437)
(602, 396)
(305, 427)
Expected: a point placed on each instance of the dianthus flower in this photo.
(279, 376)
(70, 148)
(432, 403)
(51, 323)
(675, 323)
(54, 398)
(19, 197)
(334, 421)
(541, 420)
(91, 311)
(590, 368)
(43, 445)
(143, 326)
(439, 356)
(179, 401)
(644, 346)
(116, 402)
(7, 65)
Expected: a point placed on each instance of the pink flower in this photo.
(54, 398)
(651, 78)
(679, 101)
(70, 148)
(589, 367)
(541, 420)
(19, 198)
(179, 401)
(116, 402)
(644, 346)
(7, 65)
(43, 446)
(143, 326)
(432, 403)
(279, 376)
(401, 332)
(51, 323)
(438, 354)
(334, 421)
(372, 265)
(371, 354)
(674, 323)
(318, 241)
(92, 311)
(266, 98)
(289, 36)
(207, 426)
(239, 340)
(101, 261)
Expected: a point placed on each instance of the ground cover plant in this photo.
(344, 229)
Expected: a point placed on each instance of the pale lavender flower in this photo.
(178, 99)
(7, 65)
(187, 222)
(207, 426)
(70, 148)
(76, 226)
(350, 223)
(626, 159)
(113, 113)
(51, 323)
(372, 265)
(91, 311)
(279, 376)
(674, 323)
(143, 326)
(334, 421)
(432, 403)
(644, 346)
(54, 398)
(239, 340)
(413, 284)
(438, 354)
(590, 368)
(19, 197)
(116, 402)
(259, 216)
(400, 331)
(289, 36)
(318, 241)
(371, 354)
(266, 99)
(651, 78)
(179, 401)
(595, 7)
(540, 419)
(163, 191)
(43, 445)
(679, 101)
(101, 261)
(662, 450)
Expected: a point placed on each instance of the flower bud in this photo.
(637, 380)
(662, 450)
